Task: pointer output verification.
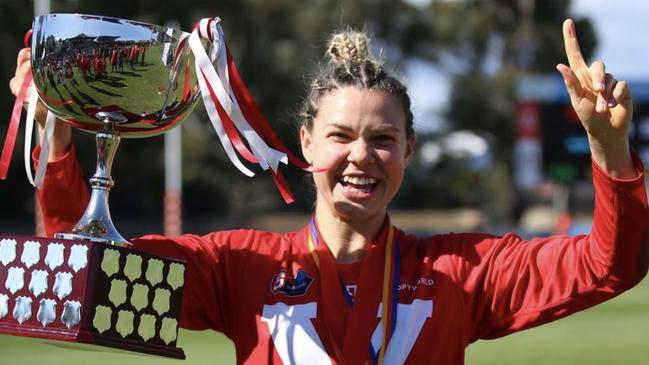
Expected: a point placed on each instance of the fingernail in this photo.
(612, 103)
(601, 106)
(571, 31)
(600, 86)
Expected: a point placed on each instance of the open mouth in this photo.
(359, 184)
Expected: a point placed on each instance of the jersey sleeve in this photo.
(512, 284)
(64, 195)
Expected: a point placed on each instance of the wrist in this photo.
(613, 157)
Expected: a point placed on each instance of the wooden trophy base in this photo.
(90, 293)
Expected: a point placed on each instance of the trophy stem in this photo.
(96, 223)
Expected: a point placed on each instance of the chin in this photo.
(350, 211)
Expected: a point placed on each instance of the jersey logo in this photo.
(297, 341)
(292, 287)
(351, 290)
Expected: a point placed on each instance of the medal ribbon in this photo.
(390, 292)
(389, 295)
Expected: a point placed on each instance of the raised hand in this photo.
(23, 68)
(603, 104)
(62, 133)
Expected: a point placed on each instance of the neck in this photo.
(346, 238)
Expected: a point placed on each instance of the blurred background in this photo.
(499, 147)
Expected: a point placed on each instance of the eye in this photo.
(338, 136)
(384, 138)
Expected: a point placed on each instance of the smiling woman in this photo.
(349, 287)
(358, 126)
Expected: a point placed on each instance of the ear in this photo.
(305, 143)
(410, 148)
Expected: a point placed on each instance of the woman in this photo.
(349, 288)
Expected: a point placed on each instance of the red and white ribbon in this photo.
(45, 143)
(222, 91)
(12, 132)
(222, 96)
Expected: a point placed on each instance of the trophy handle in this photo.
(96, 223)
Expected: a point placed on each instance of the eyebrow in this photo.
(338, 126)
(381, 128)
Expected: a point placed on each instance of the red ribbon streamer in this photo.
(253, 114)
(27, 38)
(282, 186)
(12, 131)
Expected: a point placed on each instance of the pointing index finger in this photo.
(575, 58)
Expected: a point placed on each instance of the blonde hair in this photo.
(348, 46)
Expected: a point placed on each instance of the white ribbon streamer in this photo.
(222, 61)
(48, 133)
(29, 131)
(46, 142)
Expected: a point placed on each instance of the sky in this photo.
(622, 28)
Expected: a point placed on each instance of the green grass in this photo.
(616, 332)
(201, 348)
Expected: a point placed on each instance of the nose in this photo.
(360, 152)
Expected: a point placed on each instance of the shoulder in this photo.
(447, 241)
(232, 240)
(468, 246)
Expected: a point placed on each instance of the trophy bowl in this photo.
(114, 78)
(95, 70)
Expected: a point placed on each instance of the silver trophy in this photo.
(114, 78)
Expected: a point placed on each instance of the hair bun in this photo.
(348, 46)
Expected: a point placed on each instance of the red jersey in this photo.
(283, 302)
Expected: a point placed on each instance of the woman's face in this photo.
(359, 136)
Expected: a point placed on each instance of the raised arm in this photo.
(604, 106)
(517, 283)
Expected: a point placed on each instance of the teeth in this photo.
(357, 190)
(356, 180)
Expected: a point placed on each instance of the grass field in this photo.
(616, 332)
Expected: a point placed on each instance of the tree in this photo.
(486, 45)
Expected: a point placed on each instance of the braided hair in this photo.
(352, 65)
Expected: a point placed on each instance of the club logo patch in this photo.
(292, 287)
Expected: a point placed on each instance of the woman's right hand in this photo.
(62, 133)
